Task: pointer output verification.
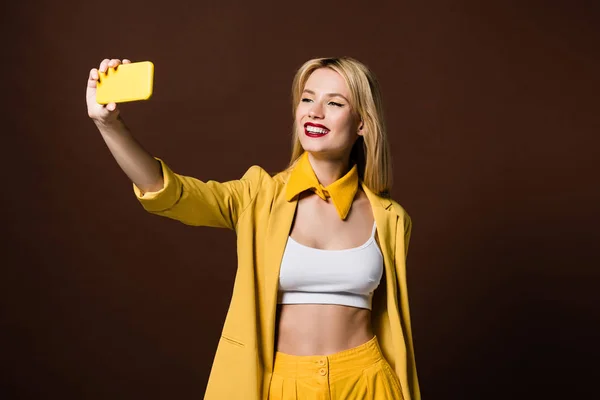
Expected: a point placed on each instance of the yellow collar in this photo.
(342, 191)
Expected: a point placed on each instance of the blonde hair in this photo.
(371, 151)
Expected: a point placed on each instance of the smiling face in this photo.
(326, 123)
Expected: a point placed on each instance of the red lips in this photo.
(312, 134)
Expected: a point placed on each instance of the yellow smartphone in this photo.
(127, 82)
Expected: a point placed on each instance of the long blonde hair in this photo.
(371, 151)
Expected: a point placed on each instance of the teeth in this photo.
(314, 129)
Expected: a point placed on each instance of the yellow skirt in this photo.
(358, 373)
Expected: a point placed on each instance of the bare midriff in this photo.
(321, 329)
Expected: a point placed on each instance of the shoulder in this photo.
(386, 202)
(255, 172)
(404, 220)
(258, 172)
(263, 179)
(398, 209)
(403, 215)
(281, 177)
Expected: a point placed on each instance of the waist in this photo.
(340, 363)
(309, 329)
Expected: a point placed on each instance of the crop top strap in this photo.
(374, 228)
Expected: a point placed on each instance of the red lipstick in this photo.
(322, 130)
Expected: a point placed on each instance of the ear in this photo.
(360, 128)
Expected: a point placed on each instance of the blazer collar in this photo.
(342, 191)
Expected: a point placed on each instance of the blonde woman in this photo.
(320, 306)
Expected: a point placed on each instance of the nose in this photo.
(316, 110)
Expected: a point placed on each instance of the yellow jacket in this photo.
(255, 206)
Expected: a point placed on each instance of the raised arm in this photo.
(143, 169)
(157, 187)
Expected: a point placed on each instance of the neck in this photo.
(329, 170)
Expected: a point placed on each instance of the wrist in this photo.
(112, 124)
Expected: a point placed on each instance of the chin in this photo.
(324, 152)
(316, 148)
(322, 147)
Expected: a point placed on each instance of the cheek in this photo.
(298, 119)
(344, 121)
(301, 109)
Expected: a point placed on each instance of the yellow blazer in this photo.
(256, 208)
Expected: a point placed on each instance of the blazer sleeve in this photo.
(194, 202)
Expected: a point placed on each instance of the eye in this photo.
(336, 104)
(305, 100)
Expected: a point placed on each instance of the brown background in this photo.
(492, 110)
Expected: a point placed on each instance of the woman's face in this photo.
(326, 124)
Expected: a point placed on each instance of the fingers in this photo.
(104, 65)
(93, 78)
(112, 63)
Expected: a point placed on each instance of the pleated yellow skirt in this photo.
(358, 373)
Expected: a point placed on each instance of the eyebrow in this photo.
(327, 94)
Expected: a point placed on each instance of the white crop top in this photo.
(315, 276)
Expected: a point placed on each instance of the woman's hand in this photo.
(103, 113)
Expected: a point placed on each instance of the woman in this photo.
(319, 306)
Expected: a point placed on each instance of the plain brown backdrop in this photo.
(492, 109)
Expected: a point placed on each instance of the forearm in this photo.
(139, 165)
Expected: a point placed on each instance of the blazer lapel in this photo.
(278, 230)
(386, 221)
